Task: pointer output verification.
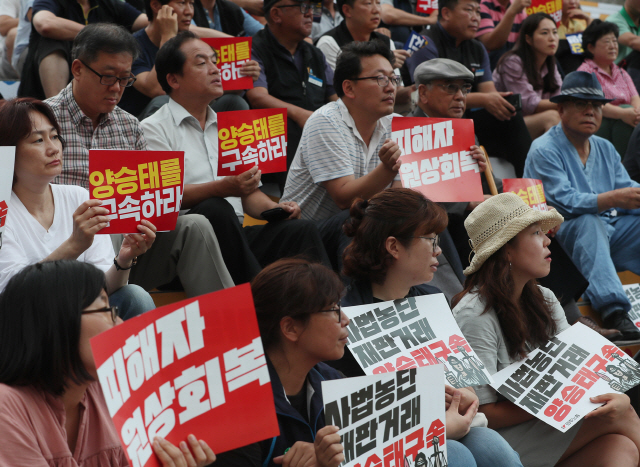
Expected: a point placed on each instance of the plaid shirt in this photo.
(116, 130)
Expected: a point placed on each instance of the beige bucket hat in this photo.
(497, 220)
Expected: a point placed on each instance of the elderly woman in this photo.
(504, 314)
(48, 222)
(52, 411)
(600, 44)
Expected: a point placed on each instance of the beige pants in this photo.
(190, 252)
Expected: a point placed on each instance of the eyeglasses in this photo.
(336, 309)
(454, 88)
(110, 80)
(382, 80)
(435, 241)
(112, 309)
(581, 105)
(304, 7)
(608, 42)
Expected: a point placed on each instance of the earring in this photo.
(509, 266)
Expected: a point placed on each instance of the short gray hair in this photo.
(103, 37)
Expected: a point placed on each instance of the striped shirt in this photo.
(491, 13)
(617, 86)
(116, 130)
(331, 147)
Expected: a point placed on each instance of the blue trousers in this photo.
(481, 447)
(600, 246)
(131, 300)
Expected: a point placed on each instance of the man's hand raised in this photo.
(390, 155)
(243, 184)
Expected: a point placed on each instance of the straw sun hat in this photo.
(497, 220)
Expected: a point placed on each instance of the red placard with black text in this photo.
(137, 185)
(232, 52)
(192, 367)
(252, 137)
(435, 158)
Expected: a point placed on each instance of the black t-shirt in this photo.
(101, 11)
(299, 402)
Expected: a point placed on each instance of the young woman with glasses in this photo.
(49, 221)
(393, 254)
(52, 411)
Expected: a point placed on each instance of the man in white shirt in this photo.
(186, 70)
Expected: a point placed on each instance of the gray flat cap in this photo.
(441, 68)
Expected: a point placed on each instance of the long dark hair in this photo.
(527, 321)
(40, 320)
(527, 55)
(395, 212)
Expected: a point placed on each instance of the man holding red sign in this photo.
(188, 123)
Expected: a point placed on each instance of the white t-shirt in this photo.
(25, 241)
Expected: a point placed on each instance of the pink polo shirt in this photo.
(618, 86)
(32, 431)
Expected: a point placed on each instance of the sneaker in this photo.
(611, 334)
(620, 320)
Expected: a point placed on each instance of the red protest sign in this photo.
(529, 189)
(252, 137)
(427, 6)
(435, 158)
(551, 7)
(195, 366)
(136, 185)
(232, 52)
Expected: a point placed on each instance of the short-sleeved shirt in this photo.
(625, 24)
(573, 25)
(298, 60)
(26, 241)
(326, 23)
(32, 430)
(125, 14)
(510, 76)
(331, 147)
(133, 101)
(617, 86)
(116, 130)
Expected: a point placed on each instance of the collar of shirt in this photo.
(377, 133)
(281, 48)
(629, 21)
(77, 115)
(180, 114)
(448, 37)
(615, 70)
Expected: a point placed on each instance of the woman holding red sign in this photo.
(47, 221)
(504, 314)
(52, 411)
(393, 255)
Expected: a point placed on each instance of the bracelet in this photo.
(120, 268)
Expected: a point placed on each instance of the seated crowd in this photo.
(137, 75)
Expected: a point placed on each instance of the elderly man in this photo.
(585, 181)
(89, 119)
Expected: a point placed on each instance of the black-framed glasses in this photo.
(112, 309)
(382, 80)
(336, 309)
(110, 80)
(452, 89)
(435, 241)
(581, 105)
(304, 7)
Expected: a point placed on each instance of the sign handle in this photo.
(488, 174)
